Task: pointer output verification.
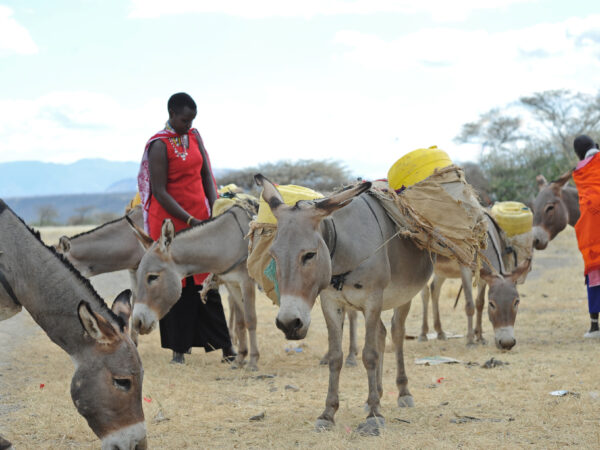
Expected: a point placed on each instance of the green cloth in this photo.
(271, 273)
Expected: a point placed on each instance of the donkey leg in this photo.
(371, 360)
(480, 301)
(425, 301)
(465, 276)
(235, 302)
(436, 289)
(249, 295)
(398, 330)
(353, 350)
(334, 318)
(232, 318)
(381, 349)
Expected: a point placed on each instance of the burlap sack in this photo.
(260, 238)
(440, 214)
(522, 244)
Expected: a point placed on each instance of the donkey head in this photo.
(107, 385)
(503, 303)
(550, 213)
(158, 283)
(300, 253)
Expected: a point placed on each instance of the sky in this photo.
(362, 82)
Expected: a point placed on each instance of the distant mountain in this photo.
(32, 178)
(86, 176)
(125, 185)
(65, 207)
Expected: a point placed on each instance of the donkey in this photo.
(556, 205)
(349, 253)
(107, 248)
(217, 245)
(503, 296)
(107, 385)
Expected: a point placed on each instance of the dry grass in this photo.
(208, 405)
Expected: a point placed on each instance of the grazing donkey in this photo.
(107, 385)
(556, 205)
(347, 252)
(503, 296)
(217, 245)
(107, 248)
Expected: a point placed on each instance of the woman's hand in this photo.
(195, 222)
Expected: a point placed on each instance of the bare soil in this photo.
(205, 404)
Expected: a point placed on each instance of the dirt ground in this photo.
(205, 404)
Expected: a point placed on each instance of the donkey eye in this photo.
(152, 278)
(517, 301)
(308, 256)
(549, 208)
(123, 384)
(492, 305)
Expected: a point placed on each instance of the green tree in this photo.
(323, 176)
(531, 136)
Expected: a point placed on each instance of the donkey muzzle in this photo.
(505, 338)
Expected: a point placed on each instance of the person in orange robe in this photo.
(176, 182)
(587, 228)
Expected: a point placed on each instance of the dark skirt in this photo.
(593, 297)
(191, 323)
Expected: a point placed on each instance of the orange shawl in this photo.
(587, 228)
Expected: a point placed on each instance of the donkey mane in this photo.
(83, 233)
(207, 221)
(84, 281)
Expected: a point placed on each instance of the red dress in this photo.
(184, 184)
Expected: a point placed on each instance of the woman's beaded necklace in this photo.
(180, 143)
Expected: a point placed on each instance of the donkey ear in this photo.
(64, 244)
(558, 184)
(269, 193)
(519, 271)
(96, 326)
(140, 234)
(122, 306)
(541, 181)
(488, 276)
(167, 234)
(336, 201)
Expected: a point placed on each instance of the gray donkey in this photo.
(107, 385)
(503, 300)
(218, 246)
(348, 253)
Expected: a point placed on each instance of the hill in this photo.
(32, 178)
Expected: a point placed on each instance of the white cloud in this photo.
(439, 10)
(14, 38)
(67, 126)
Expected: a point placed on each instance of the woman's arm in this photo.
(159, 165)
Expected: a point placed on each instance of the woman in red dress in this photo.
(176, 182)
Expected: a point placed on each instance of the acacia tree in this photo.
(321, 176)
(531, 136)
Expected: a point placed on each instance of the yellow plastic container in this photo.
(513, 217)
(232, 187)
(416, 166)
(291, 194)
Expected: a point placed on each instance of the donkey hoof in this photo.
(482, 341)
(252, 367)
(324, 361)
(406, 401)
(372, 426)
(351, 362)
(422, 338)
(441, 336)
(323, 425)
